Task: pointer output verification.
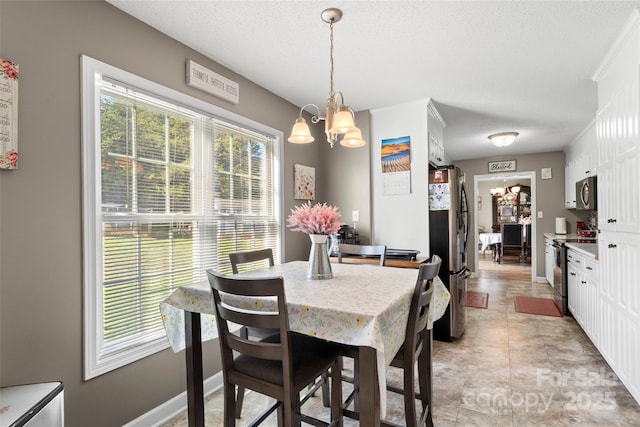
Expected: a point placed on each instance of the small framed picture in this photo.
(506, 210)
(304, 181)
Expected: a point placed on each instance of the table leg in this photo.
(195, 380)
(369, 388)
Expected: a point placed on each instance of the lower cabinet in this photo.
(619, 306)
(549, 260)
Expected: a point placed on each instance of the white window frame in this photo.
(95, 362)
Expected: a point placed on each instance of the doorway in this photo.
(483, 202)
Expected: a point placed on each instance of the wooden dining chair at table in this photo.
(250, 260)
(364, 251)
(280, 365)
(415, 349)
(511, 240)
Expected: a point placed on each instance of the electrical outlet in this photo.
(539, 214)
(355, 216)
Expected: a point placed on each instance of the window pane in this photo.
(149, 133)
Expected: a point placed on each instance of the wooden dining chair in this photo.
(415, 349)
(362, 250)
(511, 240)
(279, 366)
(252, 258)
(247, 261)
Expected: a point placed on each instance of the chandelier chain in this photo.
(331, 91)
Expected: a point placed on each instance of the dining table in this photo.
(364, 306)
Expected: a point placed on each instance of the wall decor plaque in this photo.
(502, 166)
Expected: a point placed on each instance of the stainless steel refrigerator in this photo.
(448, 236)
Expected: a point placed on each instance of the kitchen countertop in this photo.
(587, 249)
(587, 246)
(569, 236)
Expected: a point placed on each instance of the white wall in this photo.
(401, 221)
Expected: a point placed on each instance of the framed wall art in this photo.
(8, 114)
(304, 182)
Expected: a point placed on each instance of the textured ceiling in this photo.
(490, 66)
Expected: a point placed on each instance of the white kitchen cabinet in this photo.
(570, 174)
(435, 136)
(574, 275)
(549, 259)
(583, 298)
(619, 295)
(582, 161)
(619, 145)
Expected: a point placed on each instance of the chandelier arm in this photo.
(315, 118)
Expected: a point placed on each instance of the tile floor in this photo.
(509, 369)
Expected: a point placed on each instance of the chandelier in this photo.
(503, 139)
(338, 120)
(506, 193)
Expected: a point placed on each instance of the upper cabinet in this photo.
(435, 136)
(618, 133)
(582, 161)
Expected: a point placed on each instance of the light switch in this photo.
(355, 216)
(539, 214)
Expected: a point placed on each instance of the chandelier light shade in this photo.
(300, 133)
(338, 119)
(503, 139)
(353, 139)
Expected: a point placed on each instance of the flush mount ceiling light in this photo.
(503, 139)
(339, 120)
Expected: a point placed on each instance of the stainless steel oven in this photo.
(560, 277)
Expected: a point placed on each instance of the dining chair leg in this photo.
(409, 396)
(229, 405)
(336, 392)
(280, 415)
(239, 401)
(244, 333)
(424, 380)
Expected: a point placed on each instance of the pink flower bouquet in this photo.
(316, 219)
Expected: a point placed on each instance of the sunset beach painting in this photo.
(395, 154)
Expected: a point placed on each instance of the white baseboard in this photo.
(174, 406)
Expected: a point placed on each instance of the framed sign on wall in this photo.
(502, 166)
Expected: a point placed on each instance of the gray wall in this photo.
(40, 209)
(346, 176)
(549, 194)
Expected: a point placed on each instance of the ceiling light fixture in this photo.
(339, 120)
(503, 139)
(505, 192)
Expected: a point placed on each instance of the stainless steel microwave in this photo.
(586, 194)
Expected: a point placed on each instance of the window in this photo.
(172, 185)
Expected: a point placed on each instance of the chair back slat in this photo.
(261, 350)
(256, 319)
(362, 250)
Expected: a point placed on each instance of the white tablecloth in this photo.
(488, 239)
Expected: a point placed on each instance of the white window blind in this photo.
(175, 191)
